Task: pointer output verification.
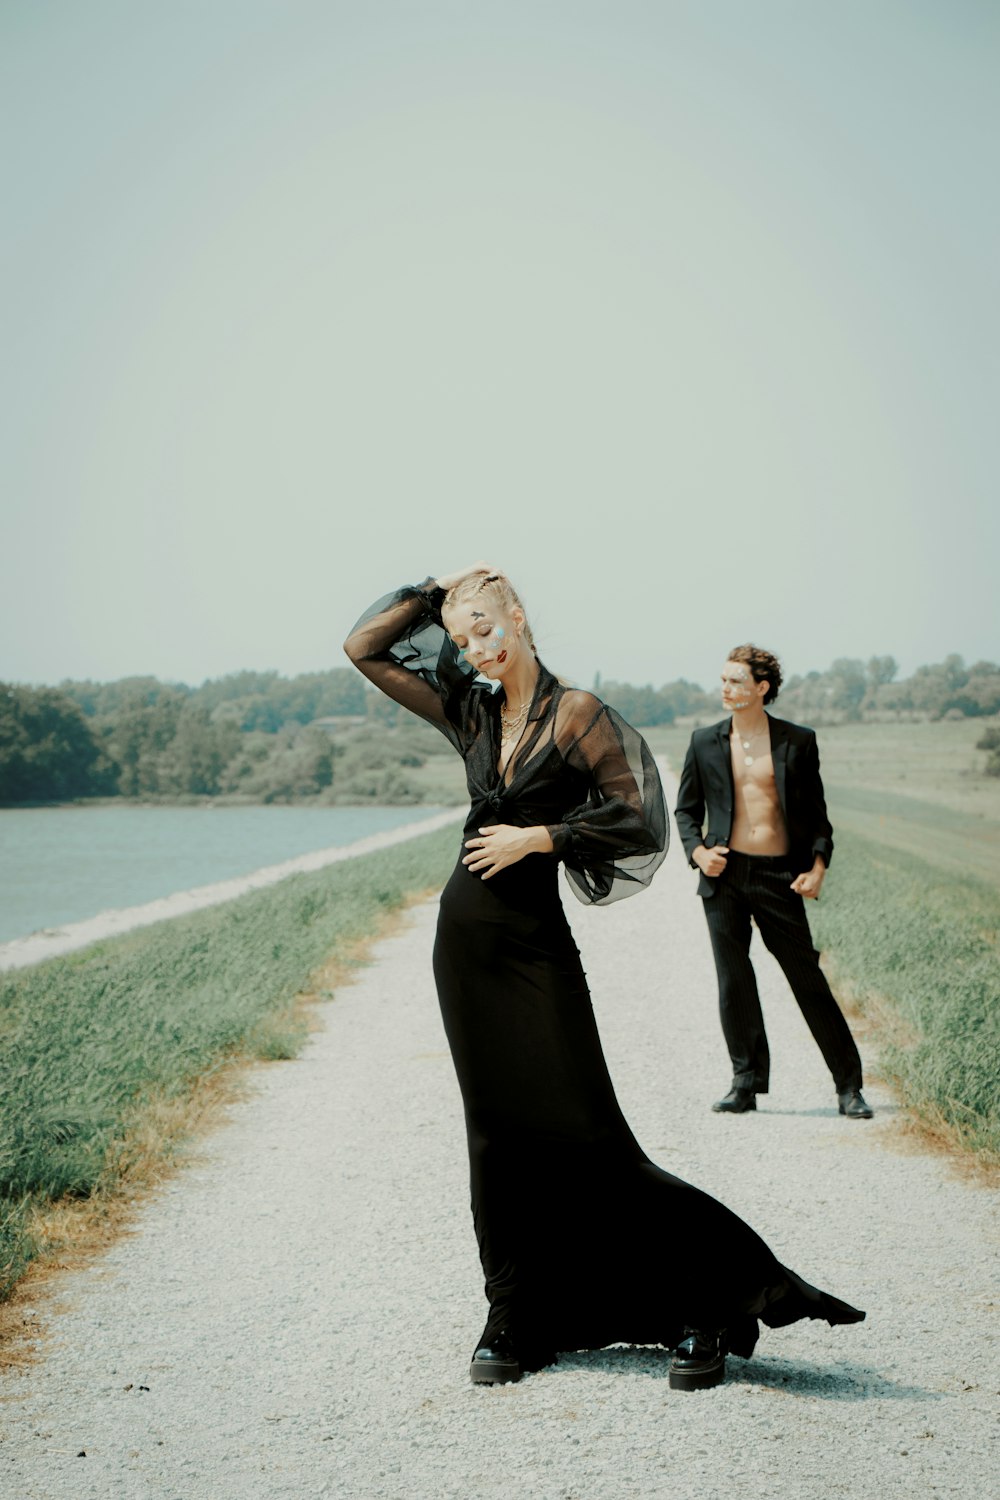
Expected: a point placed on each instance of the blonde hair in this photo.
(500, 590)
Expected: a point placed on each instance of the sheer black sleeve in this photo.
(401, 646)
(613, 843)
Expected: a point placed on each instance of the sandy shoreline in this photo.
(50, 942)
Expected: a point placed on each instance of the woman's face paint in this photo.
(498, 640)
(482, 642)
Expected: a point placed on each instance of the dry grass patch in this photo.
(917, 1129)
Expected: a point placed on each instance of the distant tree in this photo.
(641, 706)
(953, 668)
(341, 690)
(382, 710)
(949, 685)
(982, 688)
(265, 700)
(895, 697)
(806, 696)
(86, 695)
(194, 760)
(849, 684)
(683, 697)
(137, 736)
(881, 670)
(48, 750)
(295, 764)
(255, 711)
(103, 700)
(234, 688)
(990, 740)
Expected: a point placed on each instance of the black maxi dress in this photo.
(584, 1242)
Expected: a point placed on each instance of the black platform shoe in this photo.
(699, 1361)
(496, 1363)
(500, 1362)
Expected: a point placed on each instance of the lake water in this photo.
(65, 864)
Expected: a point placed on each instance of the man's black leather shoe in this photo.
(699, 1361)
(737, 1102)
(852, 1104)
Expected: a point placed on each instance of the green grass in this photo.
(959, 843)
(89, 1041)
(902, 928)
(911, 908)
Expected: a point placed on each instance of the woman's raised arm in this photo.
(401, 646)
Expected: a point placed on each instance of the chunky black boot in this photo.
(496, 1363)
(699, 1361)
(502, 1360)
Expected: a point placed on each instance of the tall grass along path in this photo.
(89, 1041)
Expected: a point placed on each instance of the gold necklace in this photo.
(511, 725)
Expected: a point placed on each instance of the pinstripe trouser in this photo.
(757, 886)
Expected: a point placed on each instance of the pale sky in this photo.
(683, 313)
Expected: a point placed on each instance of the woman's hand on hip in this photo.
(495, 848)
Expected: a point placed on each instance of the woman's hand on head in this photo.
(449, 580)
(495, 848)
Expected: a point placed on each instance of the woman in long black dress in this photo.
(584, 1241)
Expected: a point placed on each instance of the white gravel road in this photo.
(295, 1313)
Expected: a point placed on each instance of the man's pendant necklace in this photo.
(746, 743)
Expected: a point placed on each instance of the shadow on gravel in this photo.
(840, 1382)
(639, 1359)
(829, 1112)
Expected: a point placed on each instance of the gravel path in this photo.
(295, 1313)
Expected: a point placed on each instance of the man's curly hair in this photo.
(764, 667)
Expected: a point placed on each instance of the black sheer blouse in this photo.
(578, 768)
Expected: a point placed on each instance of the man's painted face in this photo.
(738, 687)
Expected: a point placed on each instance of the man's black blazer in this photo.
(707, 789)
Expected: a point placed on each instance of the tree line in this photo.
(850, 690)
(854, 690)
(262, 737)
(253, 735)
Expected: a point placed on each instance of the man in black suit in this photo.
(764, 852)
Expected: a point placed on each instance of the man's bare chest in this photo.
(755, 779)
